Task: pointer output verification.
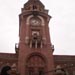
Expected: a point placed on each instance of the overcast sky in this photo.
(62, 24)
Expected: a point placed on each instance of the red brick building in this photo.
(34, 53)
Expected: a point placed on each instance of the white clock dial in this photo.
(35, 22)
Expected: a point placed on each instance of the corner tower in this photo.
(35, 54)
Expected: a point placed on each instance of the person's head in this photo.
(6, 70)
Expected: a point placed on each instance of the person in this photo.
(6, 70)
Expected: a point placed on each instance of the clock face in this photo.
(35, 22)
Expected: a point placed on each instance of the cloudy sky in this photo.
(62, 24)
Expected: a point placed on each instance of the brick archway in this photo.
(36, 65)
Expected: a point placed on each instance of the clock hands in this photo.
(34, 22)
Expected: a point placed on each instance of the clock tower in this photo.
(35, 54)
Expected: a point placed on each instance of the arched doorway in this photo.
(36, 65)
